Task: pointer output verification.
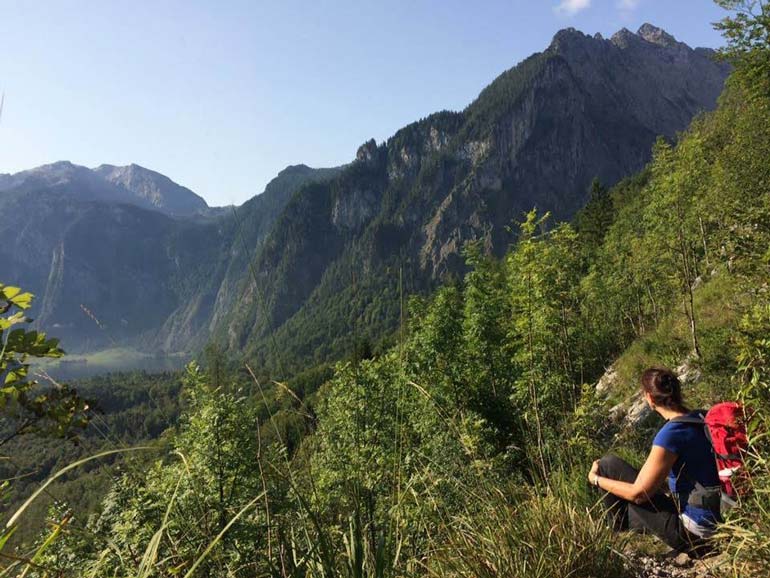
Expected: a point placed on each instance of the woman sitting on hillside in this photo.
(680, 451)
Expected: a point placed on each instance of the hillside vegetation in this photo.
(126, 410)
(462, 450)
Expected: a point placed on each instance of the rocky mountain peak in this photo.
(56, 166)
(648, 33)
(132, 184)
(300, 168)
(49, 175)
(656, 35)
(567, 38)
(367, 152)
(623, 37)
(154, 188)
(59, 169)
(570, 40)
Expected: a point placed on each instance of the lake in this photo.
(79, 366)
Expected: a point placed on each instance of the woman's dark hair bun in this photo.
(668, 382)
(663, 386)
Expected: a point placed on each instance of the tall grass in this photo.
(519, 530)
(22, 565)
(539, 535)
(747, 532)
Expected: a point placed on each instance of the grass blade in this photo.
(63, 471)
(218, 537)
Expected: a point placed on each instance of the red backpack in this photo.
(726, 430)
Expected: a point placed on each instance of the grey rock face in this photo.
(352, 210)
(367, 152)
(608, 381)
(158, 190)
(656, 35)
(133, 185)
(586, 107)
(635, 409)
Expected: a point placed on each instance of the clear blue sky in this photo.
(221, 95)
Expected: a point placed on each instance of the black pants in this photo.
(658, 516)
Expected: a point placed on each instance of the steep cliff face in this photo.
(316, 262)
(586, 107)
(225, 276)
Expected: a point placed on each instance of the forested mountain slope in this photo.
(586, 107)
(462, 449)
(330, 248)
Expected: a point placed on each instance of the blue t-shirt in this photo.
(694, 455)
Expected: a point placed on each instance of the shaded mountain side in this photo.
(105, 273)
(243, 230)
(108, 270)
(586, 107)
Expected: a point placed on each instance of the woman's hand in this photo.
(594, 472)
(647, 482)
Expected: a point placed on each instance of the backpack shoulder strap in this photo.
(699, 420)
(688, 419)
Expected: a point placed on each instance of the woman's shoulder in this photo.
(672, 434)
(674, 430)
(665, 435)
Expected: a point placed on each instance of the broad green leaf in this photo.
(15, 296)
(6, 322)
(11, 292)
(66, 469)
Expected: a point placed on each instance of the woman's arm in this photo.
(650, 478)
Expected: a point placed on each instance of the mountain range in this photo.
(319, 260)
(133, 185)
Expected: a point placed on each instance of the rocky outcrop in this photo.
(353, 209)
(367, 152)
(655, 35)
(681, 566)
(634, 409)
